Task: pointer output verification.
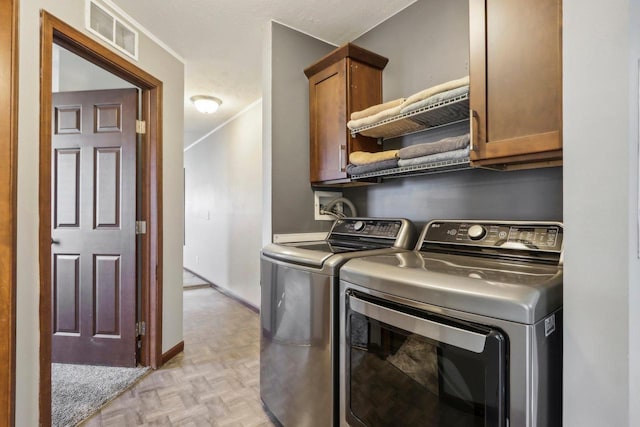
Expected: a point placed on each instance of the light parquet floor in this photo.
(215, 382)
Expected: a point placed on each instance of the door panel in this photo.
(107, 187)
(66, 292)
(93, 246)
(67, 188)
(107, 290)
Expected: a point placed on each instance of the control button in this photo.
(477, 232)
(358, 225)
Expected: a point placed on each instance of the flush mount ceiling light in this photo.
(206, 104)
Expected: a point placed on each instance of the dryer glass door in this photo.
(413, 368)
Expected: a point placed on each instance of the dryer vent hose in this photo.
(327, 208)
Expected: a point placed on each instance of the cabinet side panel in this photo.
(523, 68)
(364, 90)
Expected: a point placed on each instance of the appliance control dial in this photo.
(477, 232)
(358, 225)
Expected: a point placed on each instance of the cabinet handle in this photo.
(341, 156)
(473, 131)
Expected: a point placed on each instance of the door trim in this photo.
(8, 206)
(56, 31)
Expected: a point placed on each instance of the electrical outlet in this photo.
(320, 200)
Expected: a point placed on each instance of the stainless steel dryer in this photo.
(299, 290)
(464, 331)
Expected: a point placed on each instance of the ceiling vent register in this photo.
(111, 29)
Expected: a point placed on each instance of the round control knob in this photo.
(477, 232)
(358, 225)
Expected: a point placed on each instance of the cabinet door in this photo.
(516, 80)
(328, 123)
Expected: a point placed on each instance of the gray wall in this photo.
(286, 138)
(427, 44)
(223, 206)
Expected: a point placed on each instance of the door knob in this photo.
(54, 241)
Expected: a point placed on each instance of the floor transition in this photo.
(215, 382)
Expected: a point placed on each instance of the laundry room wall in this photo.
(427, 44)
(223, 206)
(162, 65)
(288, 196)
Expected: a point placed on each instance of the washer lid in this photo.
(313, 254)
(514, 291)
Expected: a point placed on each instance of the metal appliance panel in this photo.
(296, 335)
(508, 290)
(302, 256)
(299, 290)
(532, 352)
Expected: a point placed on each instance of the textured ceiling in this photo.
(221, 41)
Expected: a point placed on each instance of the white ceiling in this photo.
(221, 42)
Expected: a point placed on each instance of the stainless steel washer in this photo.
(464, 331)
(299, 283)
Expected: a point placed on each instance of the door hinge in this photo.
(141, 227)
(141, 329)
(141, 127)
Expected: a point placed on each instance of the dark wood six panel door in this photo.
(93, 227)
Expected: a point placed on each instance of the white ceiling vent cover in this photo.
(111, 29)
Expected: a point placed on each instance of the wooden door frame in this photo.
(56, 31)
(8, 205)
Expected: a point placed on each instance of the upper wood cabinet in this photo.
(516, 83)
(346, 80)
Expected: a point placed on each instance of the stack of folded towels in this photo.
(361, 162)
(447, 149)
(381, 112)
(435, 94)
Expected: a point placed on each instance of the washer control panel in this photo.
(367, 227)
(530, 236)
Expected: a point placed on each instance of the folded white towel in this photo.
(375, 109)
(378, 117)
(435, 99)
(426, 93)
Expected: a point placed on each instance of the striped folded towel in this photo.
(460, 154)
(375, 109)
(446, 144)
(426, 93)
(436, 99)
(359, 158)
(372, 167)
(378, 117)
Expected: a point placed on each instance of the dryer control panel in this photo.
(525, 236)
(367, 227)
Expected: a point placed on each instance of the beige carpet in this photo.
(78, 391)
